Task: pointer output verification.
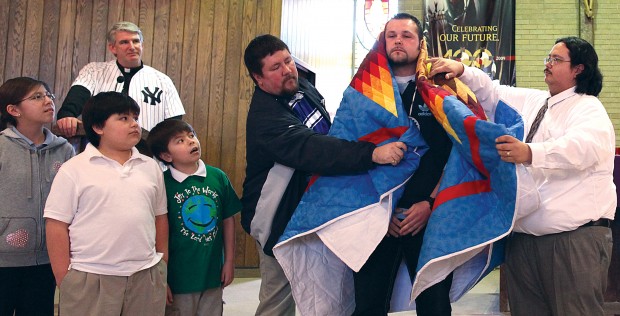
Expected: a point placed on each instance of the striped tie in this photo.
(537, 120)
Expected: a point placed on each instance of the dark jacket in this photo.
(282, 153)
(425, 179)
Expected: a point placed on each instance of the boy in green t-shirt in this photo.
(201, 205)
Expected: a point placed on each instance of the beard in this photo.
(288, 87)
(397, 59)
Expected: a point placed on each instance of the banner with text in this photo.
(476, 32)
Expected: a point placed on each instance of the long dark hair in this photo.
(13, 91)
(590, 80)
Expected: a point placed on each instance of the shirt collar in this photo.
(403, 82)
(181, 176)
(562, 96)
(404, 79)
(129, 71)
(46, 141)
(92, 152)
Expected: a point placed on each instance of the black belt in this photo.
(606, 222)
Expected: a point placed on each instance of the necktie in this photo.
(537, 120)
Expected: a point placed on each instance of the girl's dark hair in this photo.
(162, 133)
(13, 91)
(100, 107)
(590, 80)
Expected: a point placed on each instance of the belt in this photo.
(605, 222)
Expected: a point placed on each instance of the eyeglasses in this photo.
(554, 60)
(40, 96)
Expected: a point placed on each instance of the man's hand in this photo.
(513, 150)
(390, 153)
(417, 217)
(394, 228)
(68, 126)
(451, 68)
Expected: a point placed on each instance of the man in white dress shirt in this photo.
(558, 257)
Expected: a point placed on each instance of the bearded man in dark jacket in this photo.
(286, 142)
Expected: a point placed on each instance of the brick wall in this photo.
(539, 23)
(606, 30)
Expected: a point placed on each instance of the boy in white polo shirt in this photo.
(106, 219)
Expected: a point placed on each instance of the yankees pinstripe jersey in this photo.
(151, 89)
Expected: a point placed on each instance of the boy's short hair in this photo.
(100, 107)
(162, 133)
(407, 16)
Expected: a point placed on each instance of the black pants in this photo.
(27, 291)
(375, 281)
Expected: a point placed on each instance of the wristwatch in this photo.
(431, 201)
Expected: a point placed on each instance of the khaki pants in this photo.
(207, 302)
(275, 292)
(143, 293)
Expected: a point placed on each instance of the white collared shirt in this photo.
(572, 154)
(110, 209)
(180, 176)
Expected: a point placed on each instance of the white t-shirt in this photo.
(110, 209)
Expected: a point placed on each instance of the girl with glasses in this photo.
(30, 156)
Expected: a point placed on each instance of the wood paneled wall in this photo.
(199, 44)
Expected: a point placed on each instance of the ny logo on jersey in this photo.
(155, 95)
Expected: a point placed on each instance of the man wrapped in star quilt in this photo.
(340, 220)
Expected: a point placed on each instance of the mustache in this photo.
(291, 76)
(397, 49)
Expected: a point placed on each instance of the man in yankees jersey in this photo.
(375, 280)
(152, 90)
